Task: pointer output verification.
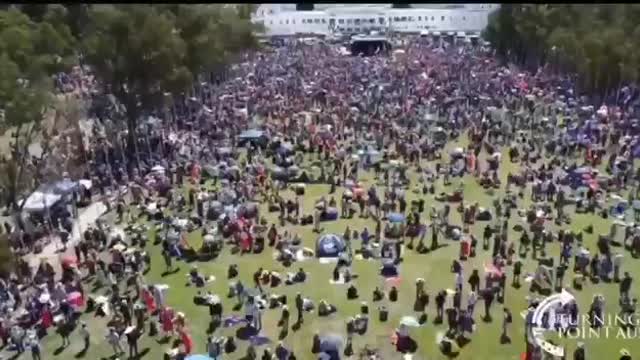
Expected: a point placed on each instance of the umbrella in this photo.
(409, 321)
(395, 218)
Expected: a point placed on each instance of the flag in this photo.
(492, 269)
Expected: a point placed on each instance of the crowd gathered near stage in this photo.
(239, 159)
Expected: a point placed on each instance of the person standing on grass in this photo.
(299, 309)
(625, 286)
(506, 322)
(132, 341)
(35, 348)
(114, 340)
(64, 329)
(256, 279)
(440, 299)
(471, 303)
(166, 255)
(86, 337)
(488, 297)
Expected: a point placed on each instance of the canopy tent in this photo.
(329, 245)
(39, 201)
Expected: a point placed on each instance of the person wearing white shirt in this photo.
(459, 281)
(471, 302)
(617, 264)
(253, 312)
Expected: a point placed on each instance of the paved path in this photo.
(86, 217)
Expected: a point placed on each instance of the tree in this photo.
(30, 52)
(598, 43)
(141, 52)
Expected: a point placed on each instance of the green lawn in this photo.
(434, 267)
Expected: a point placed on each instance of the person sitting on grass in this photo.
(300, 276)
(325, 309)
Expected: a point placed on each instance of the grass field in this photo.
(434, 267)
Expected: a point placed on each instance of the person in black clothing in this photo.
(579, 354)
(560, 270)
(496, 245)
(440, 298)
(488, 297)
(64, 329)
(132, 341)
(625, 286)
(502, 288)
(452, 318)
(299, 309)
(486, 236)
(284, 318)
(474, 281)
(126, 314)
(457, 300)
(256, 279)
(434, 236)
(517, 270)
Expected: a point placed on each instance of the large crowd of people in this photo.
(306, 113)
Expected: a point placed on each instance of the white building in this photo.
(284, 20)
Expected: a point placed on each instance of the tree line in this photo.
(141, 54)
(598, 43)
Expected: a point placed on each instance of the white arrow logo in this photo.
(537, 330)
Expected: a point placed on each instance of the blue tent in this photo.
(329, 245)
(251, 134)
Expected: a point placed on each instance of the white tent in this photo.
(39, 201)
